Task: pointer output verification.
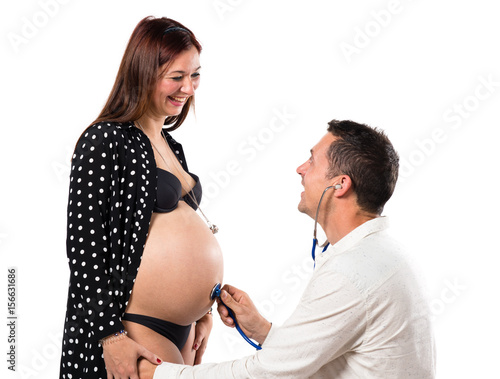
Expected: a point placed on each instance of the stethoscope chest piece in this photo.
(215, 292)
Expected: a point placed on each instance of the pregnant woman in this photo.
(142, 261)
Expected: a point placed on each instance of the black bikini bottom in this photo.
(178, 334)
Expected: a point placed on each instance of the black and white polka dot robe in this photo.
(112, 195)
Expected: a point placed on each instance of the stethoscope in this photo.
(315, 239)
(216, 291)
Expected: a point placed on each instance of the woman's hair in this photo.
(154, 43)
(367, 156)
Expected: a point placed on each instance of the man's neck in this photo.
(339, 225)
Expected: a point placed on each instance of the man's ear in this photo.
(343, 185)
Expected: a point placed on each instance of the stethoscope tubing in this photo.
(315, 239)
(216, 291)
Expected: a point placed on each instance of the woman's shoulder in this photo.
(102, 131)
(113, 127)
(107, 136)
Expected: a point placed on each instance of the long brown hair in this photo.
(149, 48)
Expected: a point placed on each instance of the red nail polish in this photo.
(158, 360)
(195, 346)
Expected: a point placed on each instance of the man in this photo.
(362, 314)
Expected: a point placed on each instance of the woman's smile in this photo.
(177, 100)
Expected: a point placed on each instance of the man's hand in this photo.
(250, 320)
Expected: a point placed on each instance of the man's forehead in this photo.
(323, 144)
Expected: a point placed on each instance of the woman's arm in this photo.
(88, 234)
(97, 284)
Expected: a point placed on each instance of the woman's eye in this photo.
(177, 78)
(195, 75)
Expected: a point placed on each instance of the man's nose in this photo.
(301, 169)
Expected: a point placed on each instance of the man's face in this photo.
(313, 173)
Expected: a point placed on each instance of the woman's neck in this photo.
(151, 126)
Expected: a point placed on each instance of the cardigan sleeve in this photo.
(92, 285)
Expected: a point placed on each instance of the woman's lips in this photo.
(177, 101)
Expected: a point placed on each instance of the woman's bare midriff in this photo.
(180, 265)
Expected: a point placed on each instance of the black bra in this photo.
(169, 192)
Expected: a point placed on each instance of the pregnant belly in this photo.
(181, 263)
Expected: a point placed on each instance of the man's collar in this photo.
(369, 227)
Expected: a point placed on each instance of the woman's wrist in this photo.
(113, 338)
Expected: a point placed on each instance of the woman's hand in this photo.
(202, 331)
(120, 358)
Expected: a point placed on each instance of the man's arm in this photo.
(329, 320)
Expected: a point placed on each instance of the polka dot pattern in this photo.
(111, 199)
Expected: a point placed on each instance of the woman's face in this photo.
(176, 84)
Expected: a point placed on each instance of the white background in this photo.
(405, 66)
